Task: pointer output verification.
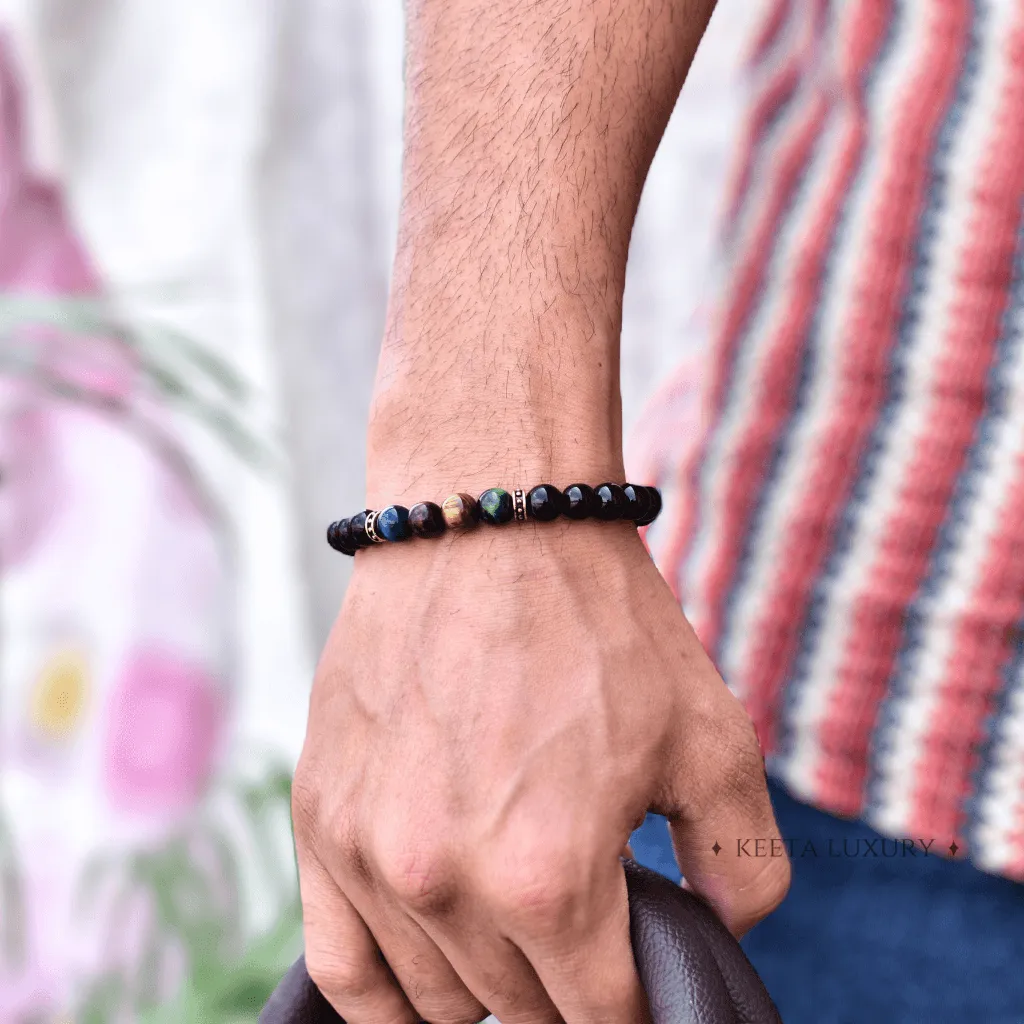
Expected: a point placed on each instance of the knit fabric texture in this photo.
(847, 537)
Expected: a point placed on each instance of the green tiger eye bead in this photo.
(496, 506)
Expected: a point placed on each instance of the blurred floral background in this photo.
(197, 206)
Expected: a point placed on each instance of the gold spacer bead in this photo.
(371, 529)
(519, 505)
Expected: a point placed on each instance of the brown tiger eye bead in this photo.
(427, 520)
(460, 511)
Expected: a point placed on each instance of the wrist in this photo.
(412, 456)
(430, 436)
(509, 380)
(529, 558)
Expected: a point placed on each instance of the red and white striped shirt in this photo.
(848, 537)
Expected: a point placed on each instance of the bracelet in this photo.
(495, 506)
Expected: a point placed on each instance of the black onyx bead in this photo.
(495, 506)
(580, 501)
(655, 498)
(427, 520)
(638, 502)
(545, 503)
(611, 502)
(357, 530)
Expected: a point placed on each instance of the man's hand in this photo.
(493, 715)
(496, 711)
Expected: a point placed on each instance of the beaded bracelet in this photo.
(495, 506)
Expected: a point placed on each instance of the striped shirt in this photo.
(847, 537)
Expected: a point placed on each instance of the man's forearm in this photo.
(530, 127)
(555, 663)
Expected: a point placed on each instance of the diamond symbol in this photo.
(953, 848)
(716, 848)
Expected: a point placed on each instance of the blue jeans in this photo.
(899, 940)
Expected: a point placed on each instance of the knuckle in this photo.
(343, 838)
(744, 768)
(451, 1011)
(436, 992)
(340, 978)
(725, 763)
(540, 897)
(420, 876)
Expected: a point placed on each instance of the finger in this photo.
(493, 968)
(720, 817)
(496, 971)
(464, 931)
(413, 898)
(342, 957)
(427, 976)
(578, 941)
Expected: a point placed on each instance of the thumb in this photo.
(723, 828)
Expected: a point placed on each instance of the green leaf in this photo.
(93, 317)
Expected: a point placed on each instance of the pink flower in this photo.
(163, 725)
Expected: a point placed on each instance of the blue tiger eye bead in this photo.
(427, 520)
(545, 503)
(393, 523)
(496, 506)
(611, 502)
(580, 501)
(638, 502)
